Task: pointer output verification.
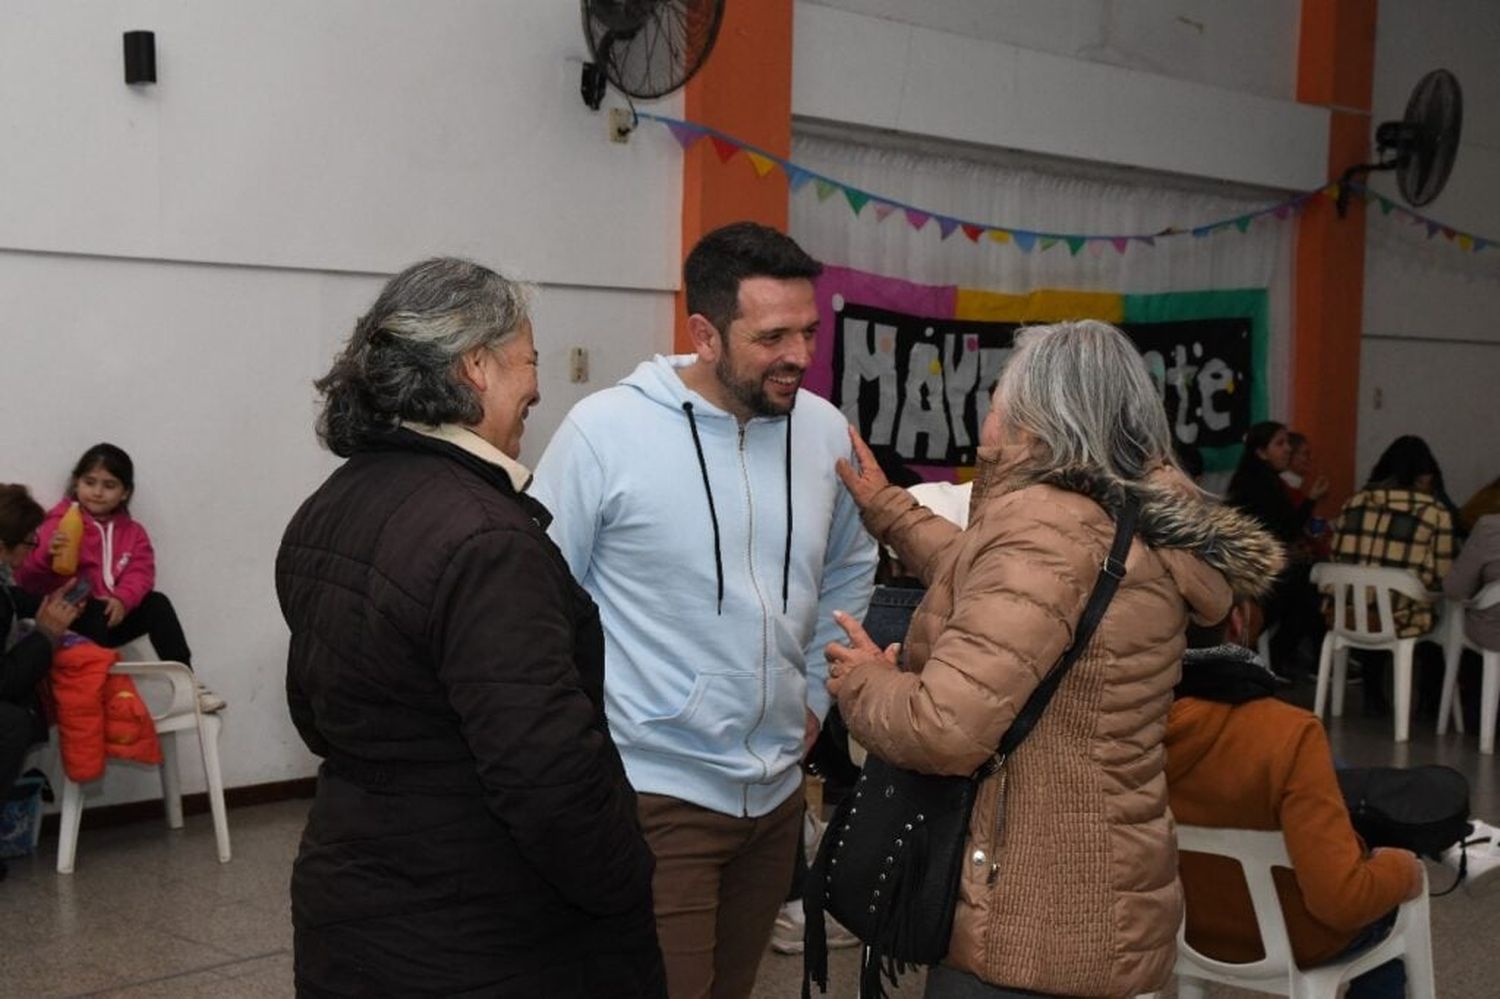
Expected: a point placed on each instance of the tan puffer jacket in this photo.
(1077, 894)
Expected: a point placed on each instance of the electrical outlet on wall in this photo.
(578, 365)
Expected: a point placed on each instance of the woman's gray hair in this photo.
(403, 360)
(1081, 391)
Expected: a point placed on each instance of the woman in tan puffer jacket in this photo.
(1075, 892)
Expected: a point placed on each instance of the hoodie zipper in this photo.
(765, 618)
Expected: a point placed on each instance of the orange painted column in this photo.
(743, 90)
(1335, 69)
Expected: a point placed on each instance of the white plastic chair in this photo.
(1454, 643)
(181, 714)
(1277, 973)
(1360, 586)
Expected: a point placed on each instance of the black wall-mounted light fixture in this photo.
(140, 57)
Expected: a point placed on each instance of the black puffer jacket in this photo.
(473, 832)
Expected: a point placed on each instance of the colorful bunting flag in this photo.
(762, 164)
(684, 133)
(687, 134)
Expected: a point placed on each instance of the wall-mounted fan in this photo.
(646, 48)
(1421, 146)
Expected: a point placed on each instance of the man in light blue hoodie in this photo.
(696, 501)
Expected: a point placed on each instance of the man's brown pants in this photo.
(720, 880)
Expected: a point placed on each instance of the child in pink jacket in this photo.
(117, 560)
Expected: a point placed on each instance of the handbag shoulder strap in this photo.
(1110, 574)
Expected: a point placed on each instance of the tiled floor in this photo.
(150, 912)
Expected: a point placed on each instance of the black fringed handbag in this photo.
(890, 861)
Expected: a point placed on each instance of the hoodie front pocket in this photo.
(718, 711)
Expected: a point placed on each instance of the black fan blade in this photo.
(1435, 115)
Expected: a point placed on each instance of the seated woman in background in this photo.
(1078, 894)
(27, 657)
(1257, 489)
(1399, 519)
(1483, 503)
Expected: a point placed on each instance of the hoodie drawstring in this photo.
(713, 514)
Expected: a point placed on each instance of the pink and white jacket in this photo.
(116, 558)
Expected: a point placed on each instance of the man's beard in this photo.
(751, 392)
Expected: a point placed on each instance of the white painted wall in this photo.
(1432, 348)
(978, 73)
(179, 262)
(1230, 44)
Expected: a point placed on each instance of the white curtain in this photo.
(1012, 191)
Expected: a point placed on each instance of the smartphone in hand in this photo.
(77, 591)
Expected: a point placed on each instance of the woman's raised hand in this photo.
(860, 650)
(863, 483)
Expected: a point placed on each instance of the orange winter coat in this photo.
(98, 713)
(1265, 764)
(1084, 899)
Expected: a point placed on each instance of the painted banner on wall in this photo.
(913, 366)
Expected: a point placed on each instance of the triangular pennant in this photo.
(1330, 192)
(917, 218)
(1243, 223)
(973, 231)
(762, 164)
(1095, 247)
(685, 134)
(1203, 230)
(1023, 239)
(825, 188)
(1448, 233)
(1282, 211)
(1386, 204)
(1048, 242)
(947, 226)
(797, 177)
(1119, 243)
(1433, 229)
(724, 148)
(857, 199)
(1480, 244)
(1466, 242)
(1148, 240)
(882, 210)
(998, 236)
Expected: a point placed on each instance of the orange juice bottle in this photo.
(65, 562)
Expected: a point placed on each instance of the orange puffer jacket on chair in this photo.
(98, 713)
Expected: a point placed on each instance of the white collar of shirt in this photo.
(463, 437)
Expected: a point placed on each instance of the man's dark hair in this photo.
(1207, 636)
(722, 259)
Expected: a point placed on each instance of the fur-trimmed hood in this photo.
(1175, 516)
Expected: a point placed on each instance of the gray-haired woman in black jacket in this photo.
(473, 833)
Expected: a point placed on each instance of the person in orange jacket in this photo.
(1239, 758)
